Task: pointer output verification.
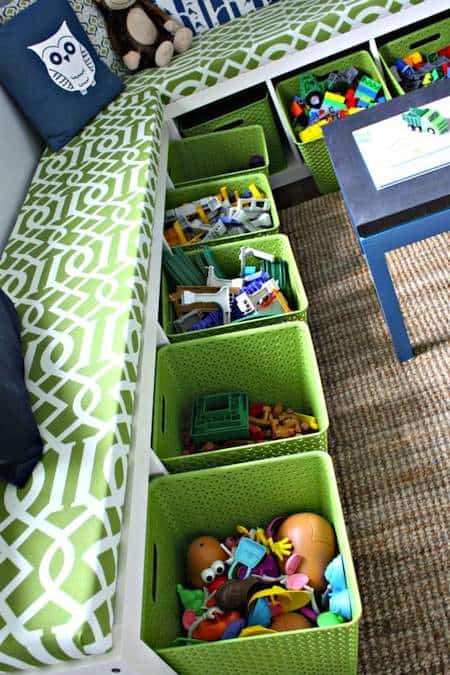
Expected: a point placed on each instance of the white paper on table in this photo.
(394, 153)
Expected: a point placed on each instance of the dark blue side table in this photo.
(396, 216)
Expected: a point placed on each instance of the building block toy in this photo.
(313, 132)
(207, 300)
(367, 89)
(416, 70)
(311, 90)
(426, 120)
(218, 282)
(182, 269)
(212, 319)
(276, 270)
(213, 216)
(220, 417)
(246, 252)
(333, 102)
(187, 322)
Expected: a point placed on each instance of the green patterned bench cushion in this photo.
(76, 265)
(259, 37)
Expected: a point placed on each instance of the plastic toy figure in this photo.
(426, 120)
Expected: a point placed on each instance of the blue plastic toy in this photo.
(260, 614)
(248, 553)
(337, 595)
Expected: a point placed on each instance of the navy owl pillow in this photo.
(50, 68)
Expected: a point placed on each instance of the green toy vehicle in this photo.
(311, 90)
(427, 120)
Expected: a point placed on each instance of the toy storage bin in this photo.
(213, 502)
(315, 153)
(227, 256)
(426, 39)
(217, 155)
(242, 109)
(272, 363)
(193, 191)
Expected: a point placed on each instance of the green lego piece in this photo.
(209, 259)
(191, 599)
(277, 270)
(311, 89)
(220, 417)
(182, 269)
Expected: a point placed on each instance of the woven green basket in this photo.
(315, 153)
(194, 191)
(243, 109)
(273, 363)
(426, 39)
(213, 502)
(217, 155)
(227, 256)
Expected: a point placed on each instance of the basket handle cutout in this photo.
(154, 572)
(425, 40)
(230, 125)
(163, 414)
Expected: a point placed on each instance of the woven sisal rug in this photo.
(389, 431)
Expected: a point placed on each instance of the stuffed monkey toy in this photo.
(142, 34)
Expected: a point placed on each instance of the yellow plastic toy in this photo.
(250, 631)
(282, 548)
(313, 132)
(413, 58)
(289, 600)
(202, 215)
(256, 194)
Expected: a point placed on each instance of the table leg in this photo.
(376, 260)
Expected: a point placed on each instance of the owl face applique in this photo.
(67, 61)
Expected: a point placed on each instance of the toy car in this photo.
(426, 120)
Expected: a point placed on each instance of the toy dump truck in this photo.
(426, 120)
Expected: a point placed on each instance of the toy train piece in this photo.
(426, 120)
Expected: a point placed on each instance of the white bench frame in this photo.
(130, 655)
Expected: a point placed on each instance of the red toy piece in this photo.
(256, 409)
(445, 51)
(213, 629)
(297, 109)
(256, 433)
(350, 99)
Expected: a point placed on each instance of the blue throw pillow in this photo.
(201, 15)
(20, 443)
(50, 68)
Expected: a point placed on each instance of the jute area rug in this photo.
(389, 431)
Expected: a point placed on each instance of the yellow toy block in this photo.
(413, 58)
(427, 79)
(309, 419)
(200, 211)
(223, 194)
(353, 111)
(179, 232)
(313, 132)
(256, 194)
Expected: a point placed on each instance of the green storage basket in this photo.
(426, 39)
(315, 153)
(217, 155)
(213, 502)
(227, 256)
(243, 109)
(274, 363)
(193, 191)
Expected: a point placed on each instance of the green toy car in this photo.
(311, 90)
(426, 120)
